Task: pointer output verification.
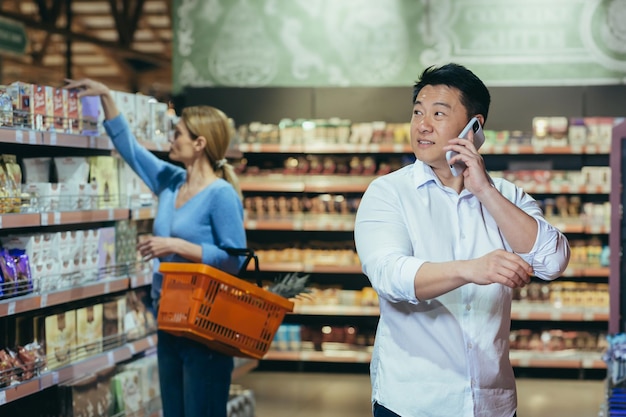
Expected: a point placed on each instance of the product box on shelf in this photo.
(89, 330)
(159, 122)
(6, 107)
(103, 171)
(113, 313)
(142, 112)
(91, 112)
(60, 109)
(71, 169)
(134, 193)
(22, 99)
(127, 106)
(127, 393)
(74, 112)
(148, 372)
(43, 107)
(36, 169)
(106, 252)
(75, 196)
(57, 333)
(45, 194)
(125, 242)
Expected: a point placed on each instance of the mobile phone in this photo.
(479, 138)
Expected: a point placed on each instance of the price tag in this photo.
(55, 378)
(32, 137)
(107, 287)
(0, 222)
(3, 397)
(111, 211)
(92, 142)
(19, 136)
(151, 341)
(131, 347)
(53, 138)
(44, 219)
(256, 147)
(43, 302)
(56, 217)
(110, 358)
(11, 308)
(398, 148)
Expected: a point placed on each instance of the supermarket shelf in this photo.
(539, 312)
(144, 213)
(345, 222)
(358, 184)
(562, 360)
(19, 220)
(566, 227)
(519, 359)
(34, 302)
(519, 311)
(326, 148)
(588, 272)
(94, 363)
(307, 222)
(308, 183)
(335, 310)
(342, 356)
(64, 139)
(564, 188)
(351, 148)
(489, 149)
(20, 136)
(83, 216)
(141, 279)
(310, 268)
(83, 367)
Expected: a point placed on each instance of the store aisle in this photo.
(293, 394)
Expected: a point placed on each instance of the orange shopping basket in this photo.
(226, 313)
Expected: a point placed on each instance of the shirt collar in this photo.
(423, 174)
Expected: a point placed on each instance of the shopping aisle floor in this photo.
(294, 394)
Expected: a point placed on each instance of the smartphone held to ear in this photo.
(479, 138)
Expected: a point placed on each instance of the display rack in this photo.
(328, 226)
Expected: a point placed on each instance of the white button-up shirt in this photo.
(447, 356)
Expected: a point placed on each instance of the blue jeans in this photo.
(194, 379)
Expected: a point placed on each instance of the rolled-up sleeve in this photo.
(550, 254)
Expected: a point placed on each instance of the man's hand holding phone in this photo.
(478, 139)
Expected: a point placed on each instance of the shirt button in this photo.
(469, 345)
(462, 235)
(468, 307)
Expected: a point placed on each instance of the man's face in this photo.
(438, 116)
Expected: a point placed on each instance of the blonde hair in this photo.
(217, 128)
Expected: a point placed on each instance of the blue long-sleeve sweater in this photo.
(213, 218)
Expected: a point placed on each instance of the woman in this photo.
(199, 213)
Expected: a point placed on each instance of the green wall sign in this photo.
(311, 43)
(12, 36)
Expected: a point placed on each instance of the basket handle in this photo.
(250, 255)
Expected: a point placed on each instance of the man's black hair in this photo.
(474, 94)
